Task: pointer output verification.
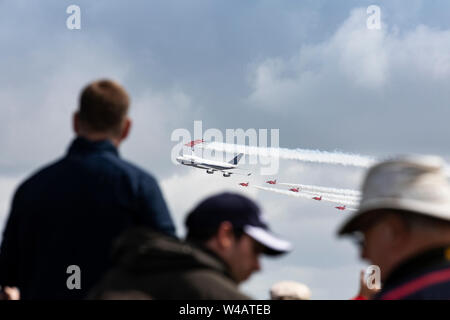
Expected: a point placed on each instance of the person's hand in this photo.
(364, 290)
(10, 293)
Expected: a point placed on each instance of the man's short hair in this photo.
(103, 106)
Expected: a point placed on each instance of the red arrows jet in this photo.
(272, 181)
(244, 184)
(318, 198)
(340, 207)
(194, 142)
(294, 189)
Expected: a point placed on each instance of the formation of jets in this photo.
(226, 168)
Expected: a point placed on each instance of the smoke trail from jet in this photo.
(306, 196)
(315, 156)
(319, 189)
(332, 195)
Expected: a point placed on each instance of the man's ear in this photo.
(126, 129)
(225, 235)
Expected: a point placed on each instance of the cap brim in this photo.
(273, 245)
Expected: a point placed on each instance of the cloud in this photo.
(353, 58)
(37, 110)
(155, 114)
(359, 78)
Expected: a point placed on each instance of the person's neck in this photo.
(94, 137)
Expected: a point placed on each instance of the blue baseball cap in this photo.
(242, 213)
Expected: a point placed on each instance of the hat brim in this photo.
(355, 222)
(272, 244)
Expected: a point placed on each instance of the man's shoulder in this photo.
(136, 170)
(112, 164)
(40, 173)
(62, 166)
(423, 284)
(213, 284)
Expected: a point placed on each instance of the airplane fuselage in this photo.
(194, 161)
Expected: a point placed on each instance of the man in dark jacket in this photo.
(63, 220)
(403, 226)
(226, 236)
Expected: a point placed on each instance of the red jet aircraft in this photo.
(194, 142)
(318, 198)
(272, 181)
(294, 189)
(244, 184)
(340, 207)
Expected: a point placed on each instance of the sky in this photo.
(311, 69)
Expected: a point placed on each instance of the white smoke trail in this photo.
(319, 189)
(305, 196)
(332, 195)
(316, 156)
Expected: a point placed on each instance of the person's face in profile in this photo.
(381, 242)
(244, 258)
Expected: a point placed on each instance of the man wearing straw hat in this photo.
(403, 226)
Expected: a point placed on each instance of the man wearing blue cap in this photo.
(226, 236)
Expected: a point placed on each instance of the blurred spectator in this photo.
(9, 293)
(403, 224)
(290, 290)
(70, 212)
(226, 236)
(126, 295)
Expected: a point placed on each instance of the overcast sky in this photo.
(311, 69)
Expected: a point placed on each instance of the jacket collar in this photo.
(419, 263)
(82, 145)
(144, 250)
(212, 259)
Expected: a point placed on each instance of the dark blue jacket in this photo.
(69, 213)
(423, 277)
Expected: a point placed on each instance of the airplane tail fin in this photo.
(236, 159)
